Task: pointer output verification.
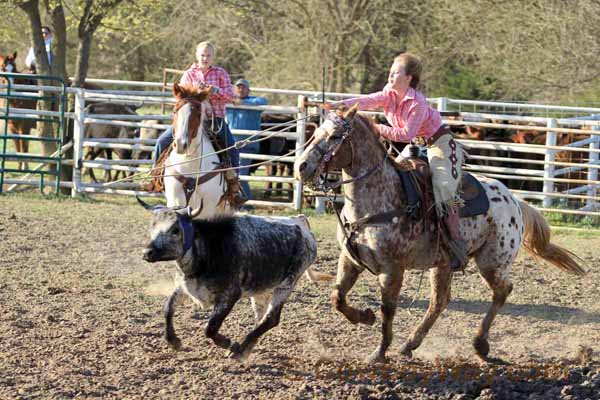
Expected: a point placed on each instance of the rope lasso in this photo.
(238, 145)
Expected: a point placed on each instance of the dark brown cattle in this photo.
(562, 139)
(278, 146)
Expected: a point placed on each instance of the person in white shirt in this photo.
(30, 59)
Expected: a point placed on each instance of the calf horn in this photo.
(144, 204)
(194, 213)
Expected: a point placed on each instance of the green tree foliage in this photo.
(536, 50)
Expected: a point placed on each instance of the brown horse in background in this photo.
(17, 127)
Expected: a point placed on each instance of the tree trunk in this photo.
(44, 129)
(83, 58)
(59, 41)
(59, 56)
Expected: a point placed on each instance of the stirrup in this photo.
(456, 265)
(459, 258)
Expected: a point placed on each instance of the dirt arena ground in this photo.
(81, 317)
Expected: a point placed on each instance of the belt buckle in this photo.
(419, 141)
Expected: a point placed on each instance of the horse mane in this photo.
(366, 123)
(190, 92)
(370, 124)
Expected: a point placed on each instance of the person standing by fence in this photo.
(247, 120)
(30, 59)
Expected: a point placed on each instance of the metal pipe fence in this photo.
(521, 163)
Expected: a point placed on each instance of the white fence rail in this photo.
(527, 164)
(82, 118)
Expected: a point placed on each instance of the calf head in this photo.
(171, 232)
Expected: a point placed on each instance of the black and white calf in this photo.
(227, 258)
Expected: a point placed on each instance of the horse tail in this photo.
(537, 242)
(316, 276)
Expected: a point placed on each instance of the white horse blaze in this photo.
(199, 156)
(181, 129)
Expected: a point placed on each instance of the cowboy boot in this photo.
(456, 243)
(234, 191)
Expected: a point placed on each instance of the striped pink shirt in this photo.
(409, 116)
(215, 76)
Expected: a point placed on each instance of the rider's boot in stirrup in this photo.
(456, 243)
(234, 191)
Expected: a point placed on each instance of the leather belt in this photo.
(443, 130)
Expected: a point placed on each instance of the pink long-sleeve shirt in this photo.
(409, 116)
(215, 76)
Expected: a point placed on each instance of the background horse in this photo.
(103, 131)
(391, 245)
(23, 126)
(193, 152)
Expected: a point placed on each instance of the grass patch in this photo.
(572, 220)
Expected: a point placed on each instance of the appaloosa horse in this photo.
(188, 177)
(17, 126)
(389, 246)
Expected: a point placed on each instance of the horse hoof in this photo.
(482, 347)
(368, 317)
(376, 358)
(236, 353)
(174, 343)
(406, 352)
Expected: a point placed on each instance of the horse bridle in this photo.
(327, 156)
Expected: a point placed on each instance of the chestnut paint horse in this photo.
(387, 248)
(192, 153)
(22, 126)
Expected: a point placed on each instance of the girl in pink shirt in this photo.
(410, 116)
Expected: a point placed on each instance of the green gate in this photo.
(11, 99)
